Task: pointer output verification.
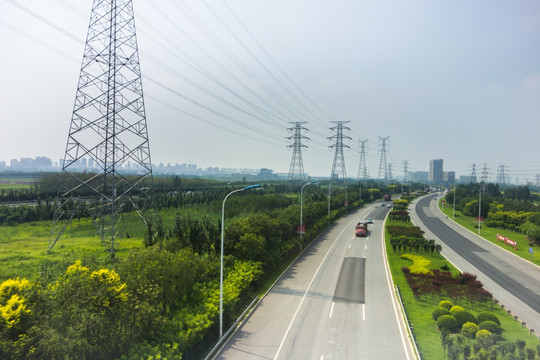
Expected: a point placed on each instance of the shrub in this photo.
(491, 326)
(405, 270)
(455, 309)
(483, 335)
(463, 317)
(485, 316)
(447, 322)
(420, 264)
(446, 304)
(469, 330)
(438, 312)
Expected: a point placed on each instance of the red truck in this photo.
(361, 229)
(387, 197)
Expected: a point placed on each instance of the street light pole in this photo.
(454, 208)
(329, 189)
(221, 267)
(479, 209)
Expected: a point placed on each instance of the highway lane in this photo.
(334, 302)
(512, 280)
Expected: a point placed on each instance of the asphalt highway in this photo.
(513, 281)
(334, 302)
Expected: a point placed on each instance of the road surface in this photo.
(334, 302)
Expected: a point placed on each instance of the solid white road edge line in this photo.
(393, 297)
(332, 309)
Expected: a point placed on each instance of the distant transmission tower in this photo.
(406, 170)
(473, 173)
(383, 166)
(338, 166)
(108, 126)
(501, 175)
(296, 170)
(485, 173)
(362, 171)
(390, 177)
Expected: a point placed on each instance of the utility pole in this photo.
(296, 169)
(108, 126)
(383, 167)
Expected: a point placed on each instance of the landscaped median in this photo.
(428, 282)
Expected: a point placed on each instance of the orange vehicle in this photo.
(361, 229)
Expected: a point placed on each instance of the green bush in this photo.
(456, 308)
(483, 335)
(469, 329)
(485, 316)
(491, 326)
(463, 317)
(446, 304)
(439, 312)
(447, 322)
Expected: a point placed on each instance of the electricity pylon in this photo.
(296, 169)
(383, 167)
(406, 170)
(501, 176)
(473, 173)
(108, 126)
(338, 166)
(362, 171)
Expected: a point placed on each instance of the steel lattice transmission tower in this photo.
(406, 170)
(338, 166)
(362, 170)
(502, 174)
(473, 173)
(108, 126)
(383, 167)
(296, 170)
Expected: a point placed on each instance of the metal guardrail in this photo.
(233, 327)
(516, 318)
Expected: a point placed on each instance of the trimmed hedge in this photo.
(447, 322)
(483, 335)
(463, 317)
(490, 326)
(469, 330)
(455, 309)
(446, 304)
(438, 312)
(487, 316)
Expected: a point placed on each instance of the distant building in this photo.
(419, 176)
(449, 177)
(436, 170)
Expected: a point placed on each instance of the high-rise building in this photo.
(436, 170)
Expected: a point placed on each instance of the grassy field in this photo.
(9, 183)
(490, 234)
(419, 310)
(23, 247)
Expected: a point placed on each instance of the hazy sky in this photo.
(457, 80)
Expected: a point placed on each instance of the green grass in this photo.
(8, 183)
(419, 310)
(490, 234)
(23, 247)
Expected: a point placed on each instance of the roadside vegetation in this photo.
(445, 307)
(160, 297)
(513, 213)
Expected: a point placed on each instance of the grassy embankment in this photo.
(490, 234)
(419, 310)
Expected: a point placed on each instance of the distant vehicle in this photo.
(387, 197)
(369, 220)
(382, 204)
(361, 229)
(388, 205)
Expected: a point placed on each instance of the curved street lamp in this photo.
(221, 267)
